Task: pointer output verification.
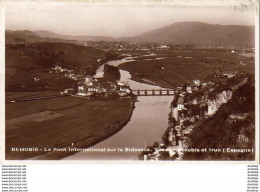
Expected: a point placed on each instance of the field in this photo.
(173, 68)
(14, 95)
(59, 122)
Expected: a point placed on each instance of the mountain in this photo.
(176, 33)
(30, 37)
(198, 33)
(22, 33)
(47, 34)
(13, 36)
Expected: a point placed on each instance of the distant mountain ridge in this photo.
(199, 33)
(48, 34)
(176, 33)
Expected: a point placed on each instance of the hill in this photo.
(27, 36)
(47, 34)
(30, 67)
(198, 33)
(231, 122)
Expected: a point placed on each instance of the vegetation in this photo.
(221, 131)
(171, 124)
(111, 73)
(181, 67)
(24, 63)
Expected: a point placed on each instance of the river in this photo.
(147, 125)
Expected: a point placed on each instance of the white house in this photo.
(68, 91)
(176, 113)
(122, 94)
(195, 102)
(196, 82)
(36, 79)
(81, 88)
(93, 89)
(229, 74)
(189, 90)
(89, 80)
(125, 88)
(180, 103)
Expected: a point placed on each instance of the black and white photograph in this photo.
(163, 82)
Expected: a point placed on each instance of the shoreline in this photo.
(140, 80)
(87, 142)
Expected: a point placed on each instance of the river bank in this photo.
(162, 82)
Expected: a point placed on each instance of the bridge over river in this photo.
(153, 92)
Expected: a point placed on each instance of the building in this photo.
(175, 113)
(104, 87)
(195, 101)
(212, 107)
(89, 80)
(204, 84)
(229, 74)
(179, 88)
(36, 79)
(196, 82)
(177, 128)
(196, 89)
(238, 116)
(227, 94)
(93, 89)
(224, 97)
(68, 91)
(83, 92)
(188, 89)
(188, 129)
(81, 87)
(180, 103)
(125, 88)
(172, 138)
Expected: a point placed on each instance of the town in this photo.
(90, 86)
(192, 105)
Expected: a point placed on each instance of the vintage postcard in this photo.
(139, 81)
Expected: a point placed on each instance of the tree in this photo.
(184, 87)
(111, 73)
(186, 123)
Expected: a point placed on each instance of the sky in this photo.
(116, 20)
